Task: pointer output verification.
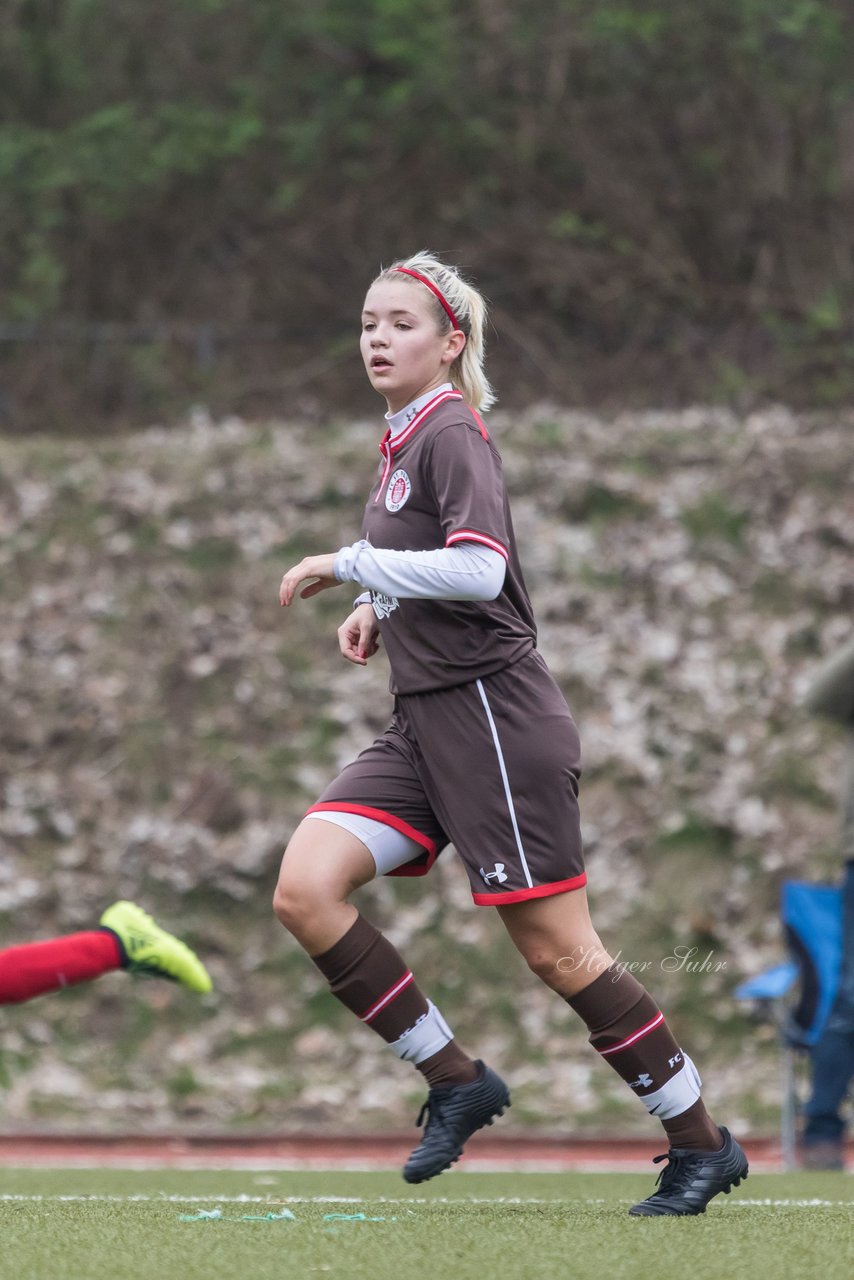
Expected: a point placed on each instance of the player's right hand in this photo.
(358, 637)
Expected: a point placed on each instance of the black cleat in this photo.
(690, 1178)
(454, 1112)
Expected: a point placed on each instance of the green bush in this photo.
(667, 179)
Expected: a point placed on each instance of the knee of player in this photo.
(299, 902)
(542, 961)
(292, 903)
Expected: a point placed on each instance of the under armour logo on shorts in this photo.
(497, 875)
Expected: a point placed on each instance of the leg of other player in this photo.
(38, 968)
(128, 938)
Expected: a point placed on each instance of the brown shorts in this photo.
(492, 766)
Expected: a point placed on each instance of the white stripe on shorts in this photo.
(507, 792)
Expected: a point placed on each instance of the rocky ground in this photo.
(164, 725)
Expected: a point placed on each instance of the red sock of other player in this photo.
(39, 967)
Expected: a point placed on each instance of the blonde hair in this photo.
(468, 306)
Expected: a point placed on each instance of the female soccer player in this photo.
(481, 751)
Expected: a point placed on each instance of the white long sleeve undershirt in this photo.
(465, 571)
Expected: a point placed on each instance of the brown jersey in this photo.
(440, 482)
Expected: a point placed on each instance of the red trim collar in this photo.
(416, 422)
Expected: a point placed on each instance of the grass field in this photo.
(92, 1224)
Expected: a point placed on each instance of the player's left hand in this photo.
(319, 568)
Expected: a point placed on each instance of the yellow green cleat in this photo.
(149, 949)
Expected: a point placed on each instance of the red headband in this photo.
(416, 275)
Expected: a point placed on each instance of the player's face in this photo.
(404, 351)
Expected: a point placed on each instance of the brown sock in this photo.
(628, 1030)
(686, 1129)
(367, 974)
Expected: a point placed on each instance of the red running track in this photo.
(321, 1151)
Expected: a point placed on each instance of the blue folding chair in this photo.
(811, 915)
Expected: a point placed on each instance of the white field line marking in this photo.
(162, 1198)
(789, 1204)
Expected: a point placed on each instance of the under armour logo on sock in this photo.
(643, 1081)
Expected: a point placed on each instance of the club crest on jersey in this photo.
(398, 491)
(384, 606)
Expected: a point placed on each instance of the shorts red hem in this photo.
(414, 868)
(524, 895)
